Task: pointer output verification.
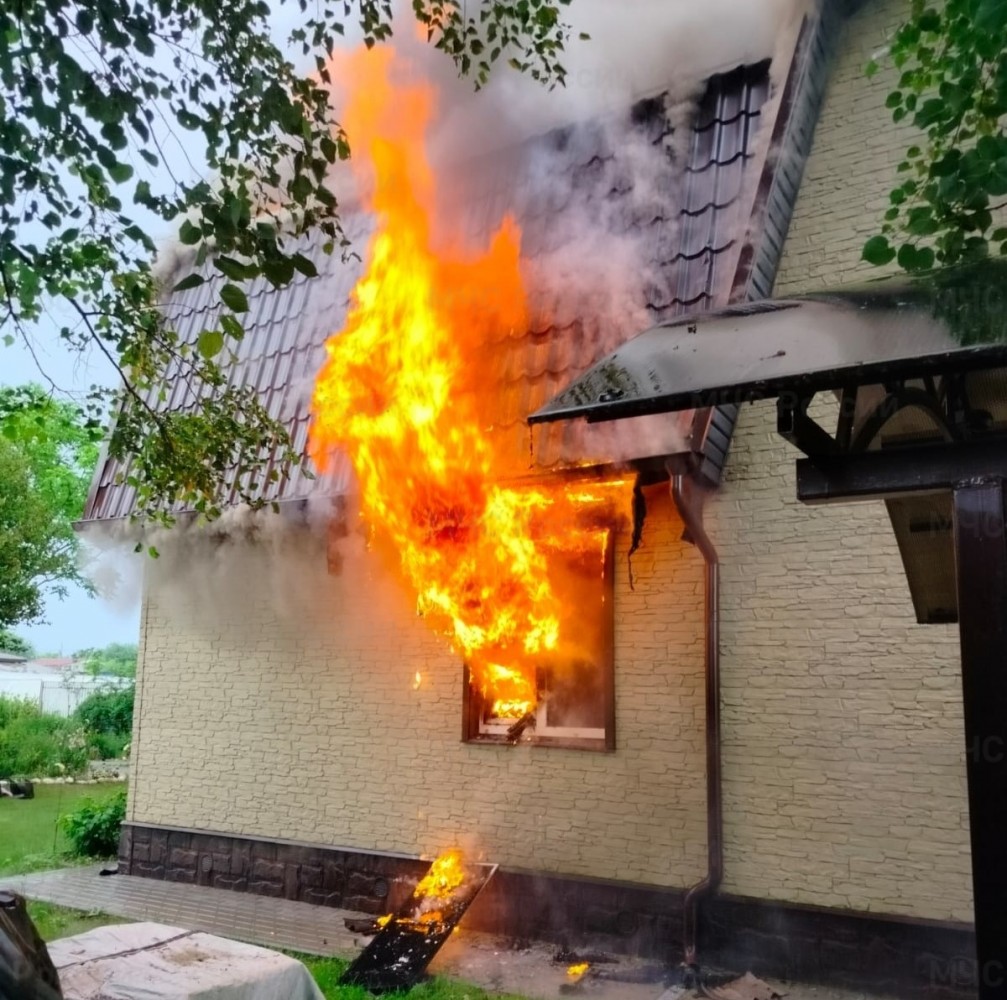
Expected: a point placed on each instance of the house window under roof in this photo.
(576, 683)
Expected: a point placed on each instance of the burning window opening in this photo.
(570, 700)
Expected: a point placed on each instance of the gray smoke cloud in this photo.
(202, 569)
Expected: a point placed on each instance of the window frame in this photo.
(473, 730)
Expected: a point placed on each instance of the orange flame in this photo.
(400, 392)
(446, 874)
(577, 971)
(512, 693)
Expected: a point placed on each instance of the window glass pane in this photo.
(574, 696)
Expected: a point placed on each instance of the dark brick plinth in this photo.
(884, 954)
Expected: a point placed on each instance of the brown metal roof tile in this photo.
(684, 233)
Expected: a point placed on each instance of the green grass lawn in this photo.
(55, 921)
(30, 838)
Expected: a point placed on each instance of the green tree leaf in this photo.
(234, 298)
(231, 326)
(279, 271)
(877, 251)
(210, 343)
(189, 233)
(192, 281)
(991, 16)
(920, 221)
(304, 265)
(996, 178)
(913, 258)
(120, 172)
(234, 269)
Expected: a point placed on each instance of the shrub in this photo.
(107, 716)
(107, 711)
(93, 829)
(15, 708)
(34, 744)
(107, 746)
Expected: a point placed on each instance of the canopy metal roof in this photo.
(919, 363)
(902, 328)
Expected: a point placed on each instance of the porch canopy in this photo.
(892, 329)
(915, 372)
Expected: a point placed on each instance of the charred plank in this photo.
(397, 956)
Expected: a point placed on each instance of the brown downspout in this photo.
(689, 506)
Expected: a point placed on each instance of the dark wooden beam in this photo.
(981, 563)
(794, 424)
(886, 473)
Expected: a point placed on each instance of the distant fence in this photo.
(61, 696)
(62, 699)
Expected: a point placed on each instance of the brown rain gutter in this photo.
(689, 505)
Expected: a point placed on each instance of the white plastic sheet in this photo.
(150, 961)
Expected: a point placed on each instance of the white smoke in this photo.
(200, 568)
(633, 49)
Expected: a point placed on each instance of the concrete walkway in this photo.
(318, 930)
(275, 923)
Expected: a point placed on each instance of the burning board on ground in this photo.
(397, 956)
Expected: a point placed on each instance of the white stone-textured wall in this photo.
(844, 772)
(852, 166)
(279, 701)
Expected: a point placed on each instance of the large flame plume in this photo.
(403, 392)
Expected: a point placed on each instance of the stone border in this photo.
(615, 916)
(103, 779)
(879, 953)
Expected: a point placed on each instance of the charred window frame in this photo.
(584, 689)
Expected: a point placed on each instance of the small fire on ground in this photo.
(578, 970)
(446, 874)
(433, 895)
(404, 391)
(404, 942)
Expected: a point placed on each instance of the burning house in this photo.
(465, 632)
